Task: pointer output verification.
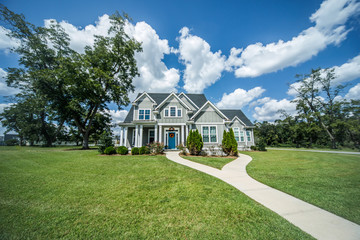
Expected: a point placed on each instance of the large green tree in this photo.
(75, 85)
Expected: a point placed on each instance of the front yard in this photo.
(54, 193)
(327, 180)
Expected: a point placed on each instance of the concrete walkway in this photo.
(321, 151)
(317, 222)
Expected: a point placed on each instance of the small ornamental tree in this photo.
(194, 142)
(229, 144)
(105, 141)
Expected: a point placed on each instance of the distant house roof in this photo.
(231, 113)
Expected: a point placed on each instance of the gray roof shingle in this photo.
(231, 113)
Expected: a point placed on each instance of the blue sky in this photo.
(241, 54)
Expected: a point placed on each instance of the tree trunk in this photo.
(85, 143)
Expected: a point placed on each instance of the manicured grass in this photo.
(319, 149)
(330, 181)
(216, 162)
(52, 193)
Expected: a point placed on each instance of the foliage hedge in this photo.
(12, 142)
(144, 150)
(105, 141)
(194, 142)
(110, 150)
(122, 150)
(229, 144)
(135, 151)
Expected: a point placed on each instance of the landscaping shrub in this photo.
(105, 141)
(156, 148)
(194, 142)
(253, 148)
(261, 145)
(182, 148)
(122, 150)
(135, 151)
(12, 142)
(229, 144)
(144, 150)
(110, 150)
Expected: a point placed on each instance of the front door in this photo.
(171, 138)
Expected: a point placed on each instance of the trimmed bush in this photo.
(229, 144)
(110, 150)
(261, 145)
(253, 148)
(156, 148)
(122, 150)
(194, 142)
(135, 151)
(144, 150)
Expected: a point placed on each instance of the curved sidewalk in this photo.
(317, 222)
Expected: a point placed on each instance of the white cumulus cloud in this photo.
(202, 67)
(117, 115)
(347, 72)
(6, 43)
(154, 74)
(257, 59)
(269, 111)
(239, 98)
(354, 93)
(4, 89)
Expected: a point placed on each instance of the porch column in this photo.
(160, 133)
(182, 135)
(121, 135)
(186, 132)
(136, 135)
(125, 136)
(141, 136)
(246, 143)
(156, 133)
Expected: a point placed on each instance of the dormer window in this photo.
(144, 114)
(172, 111)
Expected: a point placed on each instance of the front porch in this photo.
(142, 134)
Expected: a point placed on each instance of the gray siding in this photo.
(173, 102)
(143, 103)
(208, 115)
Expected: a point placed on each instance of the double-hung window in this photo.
(144, 114)
(242, 137)
(172, 112)
(248, 135)
(209, 134)
(236, 133)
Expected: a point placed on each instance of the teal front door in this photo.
(171, 138)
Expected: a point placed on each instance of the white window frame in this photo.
(236, 129)
(209, 127)
(248, 137)
(169, 112)
(243, 135)
(144, 114)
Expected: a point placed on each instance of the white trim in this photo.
(174, 95)
(156, 133)
(126, 136)
(141, 136)
(218, 123)
(169, 112)
(238, 130)
(144, 93)
(121, 136)
(209, 126)
(213, 106)
(188, 99)
(236, 117)
(171, 124)
(144, 114)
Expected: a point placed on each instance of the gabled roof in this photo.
(177, 98)
(198, 99)
(208, 103)
(141, 95)
(232, 113)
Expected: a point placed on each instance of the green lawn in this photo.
(52, 193)
(216, 162)
(330, 181)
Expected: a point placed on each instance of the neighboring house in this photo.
(11, 136)
(168, 118)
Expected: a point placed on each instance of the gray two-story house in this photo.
(168, 118)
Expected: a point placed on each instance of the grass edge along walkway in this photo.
(317, 222)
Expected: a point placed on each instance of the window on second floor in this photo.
(144, 114)
(172, 112)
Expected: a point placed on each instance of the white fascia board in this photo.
(189, 99)
(213, 106)
(144, 93)
(236, 117)
(177, 98)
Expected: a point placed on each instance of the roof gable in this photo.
(142, 95)
(176, 97)
(234, 114)
(208, 103)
